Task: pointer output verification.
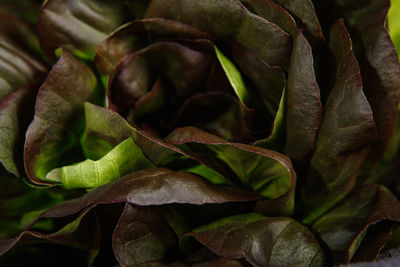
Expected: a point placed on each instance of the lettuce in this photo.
(204, 133)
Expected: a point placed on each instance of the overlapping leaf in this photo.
(260, 240)
(17, 200)
(78, 25)
(304, 109)
(357, 227)
(133, 77)
(304, 12)
(265, 171)
(380, 71)
(346, 132)
(156, 186)
(82, 233)
(56, 127)
(243, 71)
(20, 71)
(239, 25)
(98, 134)
(138, 34)
(269, 81)
(222, 114)
(14, 122)
(19, 62)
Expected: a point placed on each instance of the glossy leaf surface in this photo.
(260, 240)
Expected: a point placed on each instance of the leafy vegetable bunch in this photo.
(197, 133)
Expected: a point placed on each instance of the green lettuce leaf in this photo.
(394, 23)
(234, 77)
(124, 158)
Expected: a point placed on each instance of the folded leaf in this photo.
(304, 111)
(138, 34)
(303, 11)
(155, 186)
(357, 222)
(98, 140)
(100, 121)
(13, 123)
(124, 158)
(183, 68)
(346, 132)
(234, 77)
(240, 26)
(304, 106)
(17, 200)
(77, 25)
(260, 240)
(81, 233)
(222, 114)
(269, 81)
(20, 71)
(265, 171)
(380, 70)
(57, 126)
(19, 62)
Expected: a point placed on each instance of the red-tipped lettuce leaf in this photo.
(55, 128)
(303, 115)
(240, 26)
(346, 132)
(380, 70)
(359, 222)
(157, 186)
